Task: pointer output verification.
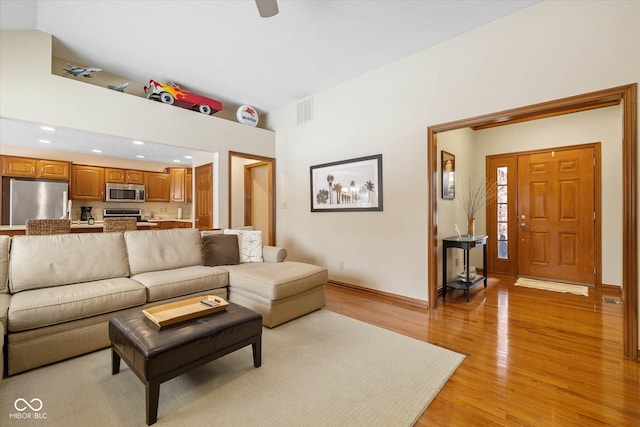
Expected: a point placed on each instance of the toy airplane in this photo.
(79, 71)
(120, 87)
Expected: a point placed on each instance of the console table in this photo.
(465, 243)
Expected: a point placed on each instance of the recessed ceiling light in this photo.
(140, 156)
(188, 157)
(49, 128)
(176, 161)
(96, 151)
(44, 141)
(138, 142)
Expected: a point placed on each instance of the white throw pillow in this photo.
(250, 243)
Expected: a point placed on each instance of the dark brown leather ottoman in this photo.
(159, 355)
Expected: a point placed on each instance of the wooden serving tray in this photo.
(179, 311)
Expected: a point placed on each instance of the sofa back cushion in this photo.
(157, 250)
(61, 259)
(220, 249)
(5, 241)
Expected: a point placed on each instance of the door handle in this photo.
(523, 217)
(523, 225)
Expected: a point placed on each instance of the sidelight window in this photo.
(503, 213)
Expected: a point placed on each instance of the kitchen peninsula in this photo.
(82, 227)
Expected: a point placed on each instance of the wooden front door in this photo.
(204, 197)
(556, 215)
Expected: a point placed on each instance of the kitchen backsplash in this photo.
(150, 210)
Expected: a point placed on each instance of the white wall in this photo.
(28, 91)
(461, 144)
(548, 51)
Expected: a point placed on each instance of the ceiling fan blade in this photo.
(267, 8)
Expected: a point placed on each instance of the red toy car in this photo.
(170, 93)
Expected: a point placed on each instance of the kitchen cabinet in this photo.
(188, 183)
(178, 184)
(34, 168)
(124, 176)
(158, 187)
(87, 183)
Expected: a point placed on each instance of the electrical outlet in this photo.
(340, 265)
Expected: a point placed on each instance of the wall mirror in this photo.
(448, 175)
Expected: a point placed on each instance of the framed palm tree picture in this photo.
(347, 185)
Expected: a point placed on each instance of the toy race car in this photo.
(170, 93)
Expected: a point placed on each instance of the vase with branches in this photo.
(474, 196)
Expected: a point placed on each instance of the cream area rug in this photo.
(323, 369)
(553, 286)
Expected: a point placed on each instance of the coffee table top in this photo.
(147, 338)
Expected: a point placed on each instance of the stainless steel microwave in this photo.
(125, 192)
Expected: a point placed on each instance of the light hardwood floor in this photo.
(533, 357)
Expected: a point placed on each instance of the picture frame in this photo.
(448, 175)
(352, 185)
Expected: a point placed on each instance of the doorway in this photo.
(247, 204)
(545, 221)
(256, 197)
(627, 95)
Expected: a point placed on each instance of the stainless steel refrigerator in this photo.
(28, 199)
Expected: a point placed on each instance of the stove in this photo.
(120, 213)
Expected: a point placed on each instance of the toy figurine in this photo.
(79, 71)
(171, 93)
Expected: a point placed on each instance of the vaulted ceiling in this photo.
(223, 48)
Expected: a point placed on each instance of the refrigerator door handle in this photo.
(65, 206)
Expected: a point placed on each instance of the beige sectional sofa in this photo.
(57, 293)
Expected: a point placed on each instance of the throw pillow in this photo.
(220, 249)
(250, 244)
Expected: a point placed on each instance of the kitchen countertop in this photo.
(169, 219)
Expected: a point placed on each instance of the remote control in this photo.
(209, 303)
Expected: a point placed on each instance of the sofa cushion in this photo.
(250, 242)
(181, 281)
(220, 249)
(275, 280)
(48, 306)
(155, 250)
(5, 241)
(61, 259)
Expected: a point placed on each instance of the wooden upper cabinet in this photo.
(189, 185)
(53, 169)
(135, 177)
(178, 184)
(87, 182)
(124, 176)
(34, 168)
(157, 187)
(115, 175)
